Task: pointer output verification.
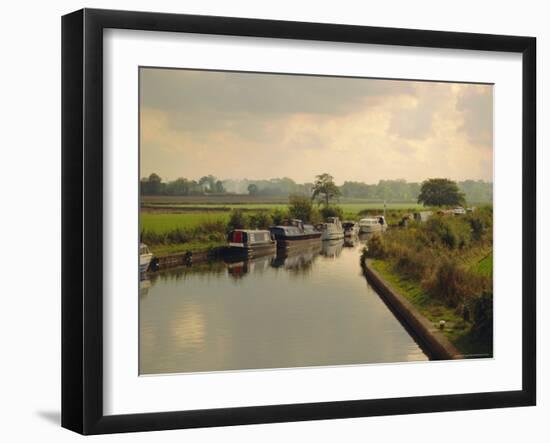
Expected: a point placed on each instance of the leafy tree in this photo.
(324, 189)
(278, 216)
(260, 220)
(219, 187)
(208, 183)
(332, 211)
(237, 220)
(253, 189)
(179, 186)
(300, 207)
(152, 185)
(440, 192)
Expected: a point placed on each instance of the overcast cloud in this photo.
(240, 125)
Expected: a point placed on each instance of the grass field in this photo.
(164, 222)
(174, 218)
(172, 224)
(164, 213)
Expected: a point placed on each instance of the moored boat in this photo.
(294, 234)
(145, 257)
(250, 242)
(351, 228)
(372, 224)
(332, 229)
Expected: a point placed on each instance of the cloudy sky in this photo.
(259, 126)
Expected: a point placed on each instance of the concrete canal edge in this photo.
(432, 340)
(182, 259)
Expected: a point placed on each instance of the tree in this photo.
(208, 183)
(237, 219)
(440, 192)
(152, 185)
(300, 207)
(219, 187)
(253, 189)
(324, 189)
(332, 211)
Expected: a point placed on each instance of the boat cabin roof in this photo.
(252, 231)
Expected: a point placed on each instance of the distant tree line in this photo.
(475, 191)
(153, 185)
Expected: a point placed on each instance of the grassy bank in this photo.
(444, 267)
(180, 224)
(457, 330)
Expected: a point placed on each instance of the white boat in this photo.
(145, 257)
(459, 210)
(332, 229)
(351, 228)
(372, 224)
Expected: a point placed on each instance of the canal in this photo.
(311, 307)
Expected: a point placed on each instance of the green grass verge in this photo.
(485, 265)
(456, 329)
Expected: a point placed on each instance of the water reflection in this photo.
(303, 307)
(238, 269)
(332, 248)
(144, 285)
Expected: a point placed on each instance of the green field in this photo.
(170, 224)
(164, 213)
(165, 221)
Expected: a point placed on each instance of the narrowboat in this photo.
(145, 257)
(294, 234)
(332, 229)
(251, 242)
(350, 228)
(372, 224)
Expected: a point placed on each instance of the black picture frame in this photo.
(82, 219)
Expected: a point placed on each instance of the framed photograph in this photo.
(268, 221)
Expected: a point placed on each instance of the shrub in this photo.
(331, 211)
(237, 220)
(278, 216)
(482, 309)
(481, 222)
(446, 282)
(376, 247)
(451, 232)
(452, 283)
(260, 220)
(300, 207)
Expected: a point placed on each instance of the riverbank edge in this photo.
(186, 258)
(432, 340)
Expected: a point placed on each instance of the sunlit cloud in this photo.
(257, 126)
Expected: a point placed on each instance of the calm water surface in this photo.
(310, 308)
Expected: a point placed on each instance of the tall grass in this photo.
(437, 255)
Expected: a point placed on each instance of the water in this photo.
(312, 308)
